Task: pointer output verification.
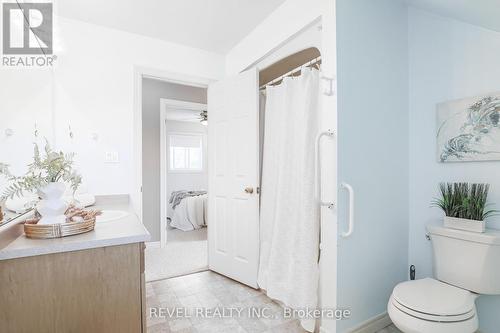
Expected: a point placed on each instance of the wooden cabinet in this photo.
(95, 290)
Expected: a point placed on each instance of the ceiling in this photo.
(484, 13)
(212, 25)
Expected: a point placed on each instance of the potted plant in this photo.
(47, 175)
(465, 205)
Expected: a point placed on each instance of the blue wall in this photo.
(448, 60)
(372, 53)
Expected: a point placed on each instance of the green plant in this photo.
(464, 200)
(48, 168)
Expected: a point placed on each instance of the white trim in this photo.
(136, 195)
(317, 20)
(140, 73)
(187, 171)
(153, 245)
(173, 77)
(372, 325)
(164, 168)
(174, 103)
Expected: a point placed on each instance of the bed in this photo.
(189, 210)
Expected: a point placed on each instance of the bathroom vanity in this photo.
(93, 282)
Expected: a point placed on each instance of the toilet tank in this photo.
(466, 259)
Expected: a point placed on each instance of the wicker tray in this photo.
(47, 231)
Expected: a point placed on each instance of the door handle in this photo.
(317, 162)
(350, 190)
(249, 190)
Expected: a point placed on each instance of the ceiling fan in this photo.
(188, 115)
(204, 117)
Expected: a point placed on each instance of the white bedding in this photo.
(190, 213)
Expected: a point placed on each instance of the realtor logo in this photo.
(27, 28)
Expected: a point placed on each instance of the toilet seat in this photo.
(431, 306)
(432, 300)
(431, 317)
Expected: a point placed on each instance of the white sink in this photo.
(111, 215)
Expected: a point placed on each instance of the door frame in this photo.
(165, 104)
(140, 73)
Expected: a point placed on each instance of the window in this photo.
(186, 152)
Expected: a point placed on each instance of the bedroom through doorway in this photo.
(175, 121)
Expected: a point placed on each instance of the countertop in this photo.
(124, 230)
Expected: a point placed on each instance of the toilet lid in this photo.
(433, 297)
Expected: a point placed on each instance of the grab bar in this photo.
(351, 210)
(322, 203)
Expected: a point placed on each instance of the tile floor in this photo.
(208, 290)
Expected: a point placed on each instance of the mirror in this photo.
(26, 104)
(9, 216)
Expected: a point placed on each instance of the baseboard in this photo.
(372, 325)
(153, 245)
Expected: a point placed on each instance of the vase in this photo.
(464, 224)
(52, 206)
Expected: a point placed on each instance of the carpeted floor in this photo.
(186, 252)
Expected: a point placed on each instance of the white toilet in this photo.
(466, 265)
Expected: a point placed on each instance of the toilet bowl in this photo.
(431, 306)
(465, 267)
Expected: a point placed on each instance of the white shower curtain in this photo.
(289, 215)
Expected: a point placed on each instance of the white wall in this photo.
(307, 38)
(25, 99)
(94, 92)
(282, 24)
(448, 60)
(372, 53)
(187, 181)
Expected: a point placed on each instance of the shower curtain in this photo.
(289, 214)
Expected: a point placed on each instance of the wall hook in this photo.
(9, 132)
(36, 131)
(329, 88)
(70, 132)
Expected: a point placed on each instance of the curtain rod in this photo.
(296, 70)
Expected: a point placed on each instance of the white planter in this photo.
(464, 224)
(52, 206)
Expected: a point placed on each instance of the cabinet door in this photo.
(95, 290)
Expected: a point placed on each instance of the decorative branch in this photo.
(50, 168)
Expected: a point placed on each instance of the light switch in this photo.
(111, 157)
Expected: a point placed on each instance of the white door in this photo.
(233, 177)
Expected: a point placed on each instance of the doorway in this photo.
(174, 177)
